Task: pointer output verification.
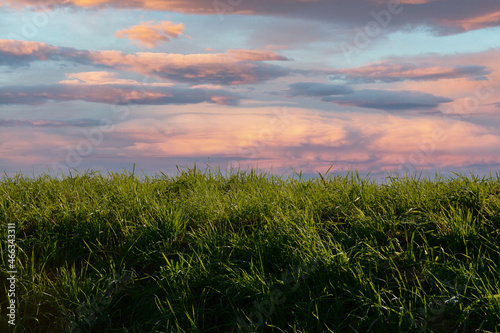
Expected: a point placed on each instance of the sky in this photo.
(377, 86)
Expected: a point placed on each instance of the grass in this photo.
(252, 252)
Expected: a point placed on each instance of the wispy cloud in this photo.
(481, 21)
(150, 34)
(388, 72)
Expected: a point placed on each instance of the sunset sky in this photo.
(371, 85)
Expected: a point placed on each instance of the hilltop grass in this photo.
(247, 251)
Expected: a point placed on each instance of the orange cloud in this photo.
(187, 6)
(416, 2)
(474, 23)
(192, 6)
(148, 34)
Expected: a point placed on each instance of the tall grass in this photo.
(249, 251)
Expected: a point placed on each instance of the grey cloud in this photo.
(223, 74)
(389, 100)
(317, 89)
(443, 16)
(368, 98)
(113, 94)
(16, 53)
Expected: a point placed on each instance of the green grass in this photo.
(247, 251)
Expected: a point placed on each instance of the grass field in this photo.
(252, 252)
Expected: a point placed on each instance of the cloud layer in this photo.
(232, 91)
(48, 123)
(296, 137)
(444, 16)
(114, 94)
(235, 67)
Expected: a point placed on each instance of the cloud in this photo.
(388, 100)
(304, 139)
(470, 84)
(411, 2)
(228, 134)
(444, 16)
(487, 20)
(113, 94)
(317, 89)
(149, 35)
(106, 78)
(49, 123)
(22, 147)
(310, 140)
(15, 53)
(388, 72)
(235, 67)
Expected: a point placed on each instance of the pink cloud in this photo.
(35, 49)
(148, 34)
(391, 71)
(474, 23)
(303, 139)
(16, 53)
(106, 78)
(232, 133)
(255, 55)
(29, 147)
(234, 67)
(486, 88)
(457, 77)
(312, 140)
